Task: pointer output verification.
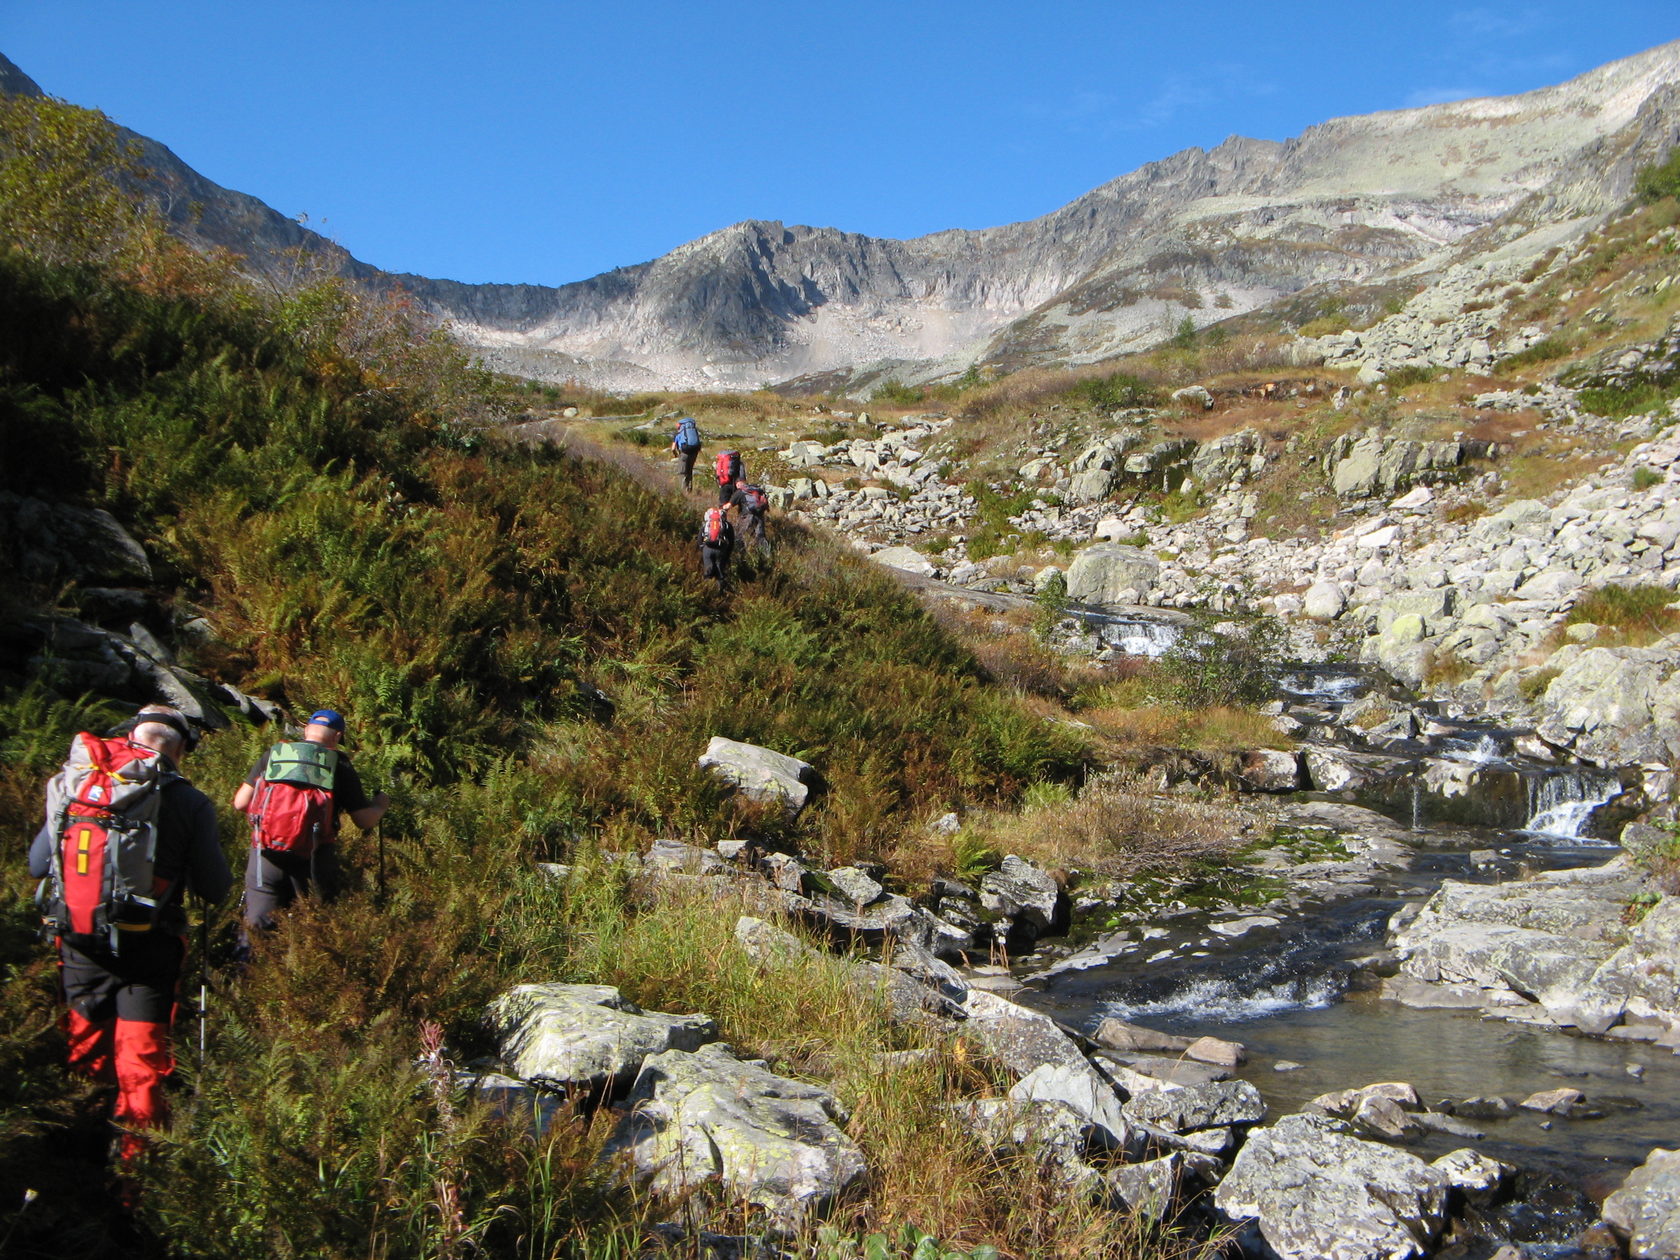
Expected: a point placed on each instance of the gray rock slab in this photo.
(1019, 1038)
(1081, 1087)
(760, 773)
(585, 1035)
(1190, 1107)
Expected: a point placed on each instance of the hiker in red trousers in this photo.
(125, 837)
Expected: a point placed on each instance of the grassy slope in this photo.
(351, 543)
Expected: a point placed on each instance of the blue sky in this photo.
(546, 142)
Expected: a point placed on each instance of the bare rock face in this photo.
(1645, 1212)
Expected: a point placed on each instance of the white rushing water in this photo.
(1139, 638)
(1221, 1000)
(1560, 806)
(1484, 752)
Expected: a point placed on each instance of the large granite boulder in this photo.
(1557, 942)
(761, 774)
(906, 558)
(1645, 1212)
(1111, 573)
(1317, 1191)
(1365, 464)
(585, 1035)
(1027, 895)
(706, 1118)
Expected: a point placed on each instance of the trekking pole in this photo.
(203, 979)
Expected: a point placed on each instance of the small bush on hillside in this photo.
(1644, 477)
(894, 393)
(1653, 183)
(1119, 391)
(1617, 402)
(1230, 662)
(1543, 351)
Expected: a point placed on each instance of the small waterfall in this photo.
(1324, 687)
(1484, 752)
(1561, 804)
(1139, 638)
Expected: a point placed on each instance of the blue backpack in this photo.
(688, 435)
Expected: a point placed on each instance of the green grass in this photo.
(1635, 614)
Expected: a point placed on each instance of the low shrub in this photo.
(1638, 614)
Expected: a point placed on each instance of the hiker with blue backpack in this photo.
(296, 794)
(686, 447)
(125, 838)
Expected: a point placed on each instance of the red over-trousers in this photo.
(121, 1006)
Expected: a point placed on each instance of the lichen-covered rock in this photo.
(585, 1035)
(1027, 894)
(708, 1118)
(1317, 1191)
(1184, 1108)
(1019, 1038)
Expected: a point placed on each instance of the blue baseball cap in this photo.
(327, 718)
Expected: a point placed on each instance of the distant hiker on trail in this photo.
(686, 446)
(125, 838)
(295, 795)
(753, 505)
(717, 543)
(729, 470)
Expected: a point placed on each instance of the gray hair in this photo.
(166, 736)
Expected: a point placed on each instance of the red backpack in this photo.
(103, 805)
(755, 498)
(728, 466)
(292, 810)
(714, 525)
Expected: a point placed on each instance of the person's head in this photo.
(325, 726)
(165, 730)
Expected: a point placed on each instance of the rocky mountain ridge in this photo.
(1200, 234)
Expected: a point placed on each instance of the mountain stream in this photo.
(1297, 985)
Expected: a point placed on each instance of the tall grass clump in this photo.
(1637, 615)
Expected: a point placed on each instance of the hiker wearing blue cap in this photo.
(295, 795)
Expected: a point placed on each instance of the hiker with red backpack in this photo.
(753, 505)
(685, 445)
(125, 837)
(729, 470)
(295, 795)
(717, 543)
